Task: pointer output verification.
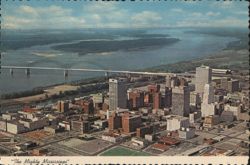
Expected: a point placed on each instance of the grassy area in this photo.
(121, 151)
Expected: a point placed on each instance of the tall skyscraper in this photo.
(208, 107)
(168, 81)
(203, 76)
(117, 94)
(168, 97)
(181, 101)
(208, 96)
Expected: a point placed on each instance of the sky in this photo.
(36, 14)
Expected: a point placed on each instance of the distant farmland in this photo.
(121, 151)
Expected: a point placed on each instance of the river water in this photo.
(191, 46)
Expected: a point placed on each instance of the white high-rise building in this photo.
(208, 107)
(208, 95)
(203, 76)
(117, 94)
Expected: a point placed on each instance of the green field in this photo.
(121, 151)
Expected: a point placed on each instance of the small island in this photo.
(85, 47)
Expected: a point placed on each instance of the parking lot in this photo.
(183, 146)
(82, 147)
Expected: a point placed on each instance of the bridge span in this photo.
(27, 70)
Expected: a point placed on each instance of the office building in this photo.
(211, 120)
(117, 94)
(186, 133)
(154, 88)
(142, 131)
(175, 82)
(130, 123)
(135, 99)
(208, 95)
(80, 126)
(175, 122)
(208, 107)
(194, 99)
(203, 76)
(183, 82)
(156, 100)
(181, 101)
(97, 98)
(224, 83)
(233, 86)
(63, 106)
(168, 97)
(114, 121)
(168, 81)
(88, 107)
(227, 116)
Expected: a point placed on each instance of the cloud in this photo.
(114, 15)
(42, 17)
(10, 22)
(226, 22)
(223, 4)
(100, 7)
(97, 15)
(230, 22)
(146, 19)
(105, 14)
(101, 14)
(212, 14)
(191, 23)
(241, 12)
(178, 10)
(196, 14)
(27, 10)
(52, 10)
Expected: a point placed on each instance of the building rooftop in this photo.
(193, 150)
(29, 110)
(204, 66)
(14, 122)
(169, 140)
(110, 134)
(169, 117)
(161, 147)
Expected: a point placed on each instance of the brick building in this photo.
(81, 126)
(136, 99)
(142, 131)
(130, 122)
(156, 100)
(63, 106)
(114, 121)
